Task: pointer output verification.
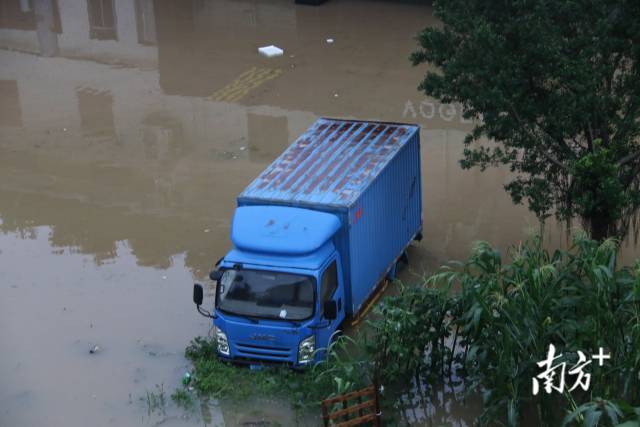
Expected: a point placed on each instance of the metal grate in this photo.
(263, 352)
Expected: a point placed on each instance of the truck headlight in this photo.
(306, 349)
(221, 339)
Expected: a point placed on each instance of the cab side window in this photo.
(329, 284)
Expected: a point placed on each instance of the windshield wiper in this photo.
(250, 318)
(256, 319)
(295, 322)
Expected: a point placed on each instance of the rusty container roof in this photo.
(332, 163)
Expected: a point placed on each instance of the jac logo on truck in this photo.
(262, 337)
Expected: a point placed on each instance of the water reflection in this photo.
(268, 136)
(96, 112)
(55, 305)
(146, 22)
(440, 405)
(10, 111)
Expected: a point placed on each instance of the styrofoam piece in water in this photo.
(270, 51)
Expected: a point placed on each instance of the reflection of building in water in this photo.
(104, 30)
(145, 21)
(463, 206)
(10, 112)
(211, 43)
(161, 162)
(94, 100)
(169, 165)
(21, 14)
(96, 112)
(268, 136)
(102, 20)
(162, 136)
(237, 16)
(207, 47)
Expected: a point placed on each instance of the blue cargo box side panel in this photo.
(384, 220)
(331, 164)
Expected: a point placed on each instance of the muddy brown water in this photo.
(124, 139)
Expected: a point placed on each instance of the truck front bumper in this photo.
(251, 354)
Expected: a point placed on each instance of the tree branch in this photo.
(626, 159)
(535, 136)
(627, 121)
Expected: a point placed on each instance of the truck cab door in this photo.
(331, 289)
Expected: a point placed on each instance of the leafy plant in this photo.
(201, 348)
(216, 378)
(156, 401)
(183, 399)
(604, 411)
(503, 318)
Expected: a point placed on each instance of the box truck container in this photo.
(314, 236)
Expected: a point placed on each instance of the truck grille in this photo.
(263, 352)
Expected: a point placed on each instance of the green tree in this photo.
(554, 85)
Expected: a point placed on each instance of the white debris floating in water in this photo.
(270, 51)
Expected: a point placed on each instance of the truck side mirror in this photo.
(215, 275)
(197, 294)
(330, 310)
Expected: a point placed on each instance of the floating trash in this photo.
(270, 51)
(186, 379)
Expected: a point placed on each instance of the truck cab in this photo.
(279, 291)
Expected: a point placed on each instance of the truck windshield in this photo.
(266, 294)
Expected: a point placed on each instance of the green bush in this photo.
(492, 322)
(213, 377)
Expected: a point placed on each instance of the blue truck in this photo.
(314, 237)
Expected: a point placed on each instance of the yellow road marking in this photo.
(244, 83)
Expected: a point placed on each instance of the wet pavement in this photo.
(125, 137)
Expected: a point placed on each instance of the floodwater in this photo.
(127, 128)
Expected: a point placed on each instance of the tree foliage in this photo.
(555, 87)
